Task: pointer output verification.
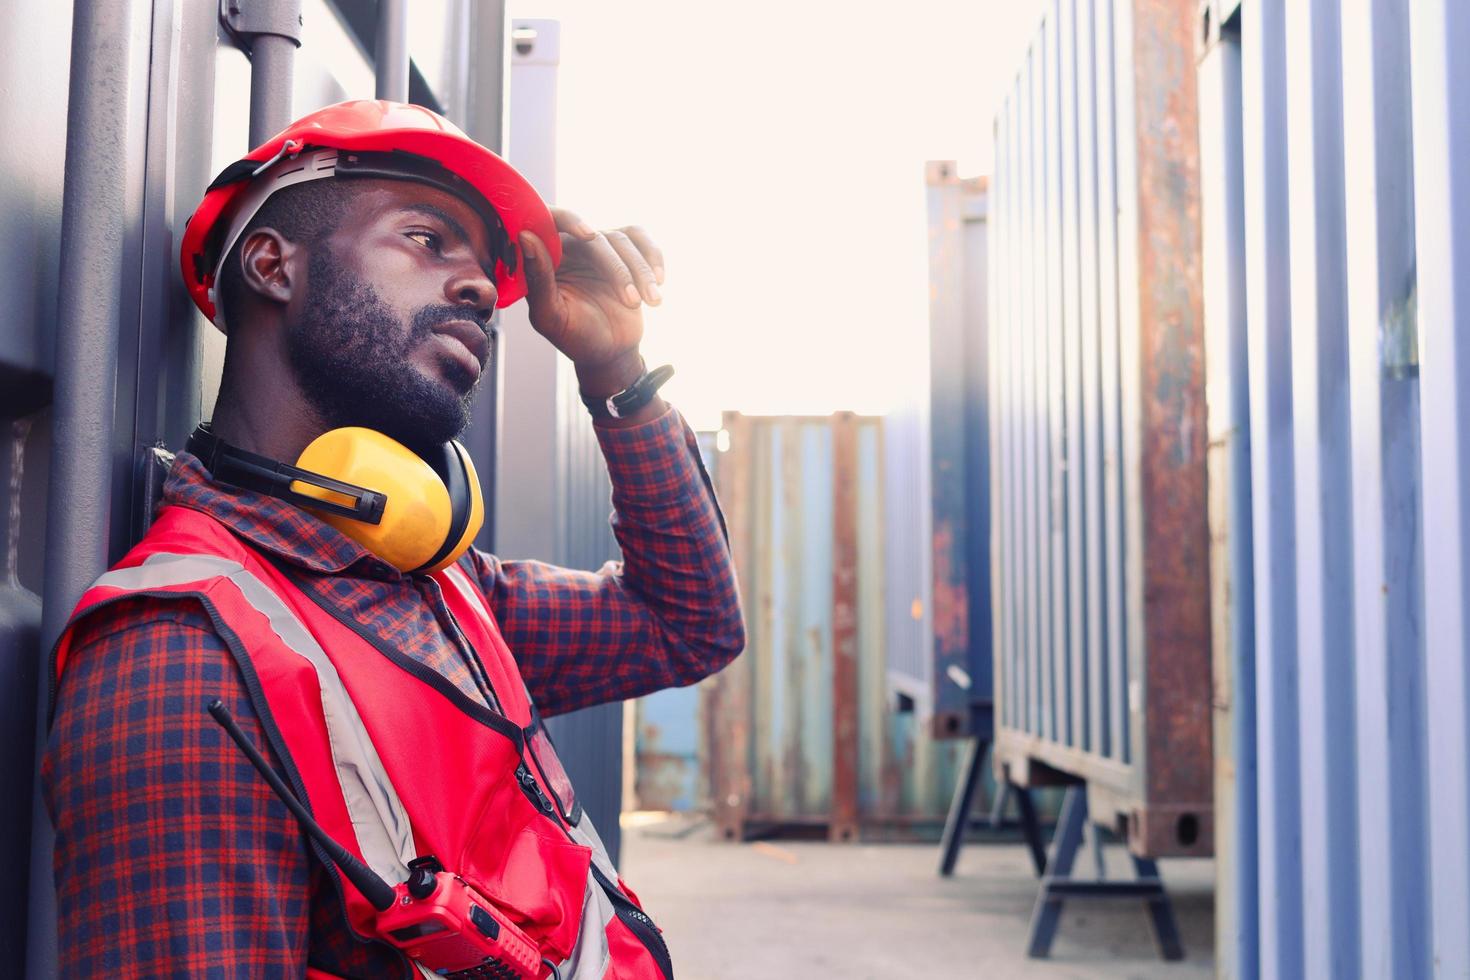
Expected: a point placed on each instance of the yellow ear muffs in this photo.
(433, 507)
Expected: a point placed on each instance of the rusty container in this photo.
(803, 731)
(1100, 539)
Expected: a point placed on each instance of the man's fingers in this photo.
(540, 277)
(644, 278)
(651, 253)
(613, 270)
(573, 224)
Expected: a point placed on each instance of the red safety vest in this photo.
(393, 760)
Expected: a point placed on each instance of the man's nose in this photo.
(471, 285)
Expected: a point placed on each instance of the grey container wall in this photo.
(1336, 142)
(162, 105)
(801, 731)
(34, 72)
(1097, 436)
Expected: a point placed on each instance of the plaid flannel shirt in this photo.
(174, 858)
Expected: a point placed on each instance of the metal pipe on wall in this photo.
(272, 73)
(391, 57)
(104, 155)
(270, 30)
(481, 114)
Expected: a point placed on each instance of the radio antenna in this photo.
(363, 878)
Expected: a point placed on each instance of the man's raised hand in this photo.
(591, 307)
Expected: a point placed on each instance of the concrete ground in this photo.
(814, 910)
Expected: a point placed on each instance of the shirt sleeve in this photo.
(666, 615)
(173, 857)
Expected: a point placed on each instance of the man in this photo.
(354, 262)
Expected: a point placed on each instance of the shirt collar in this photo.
(274, 526)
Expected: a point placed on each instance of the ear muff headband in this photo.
(421, 516)
(252, 471)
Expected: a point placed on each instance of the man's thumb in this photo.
(540, 277)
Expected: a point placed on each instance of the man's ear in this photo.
(269, 264)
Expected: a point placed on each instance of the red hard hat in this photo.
(423, 146)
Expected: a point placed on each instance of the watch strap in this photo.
(631, 398)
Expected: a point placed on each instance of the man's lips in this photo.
(470, 336)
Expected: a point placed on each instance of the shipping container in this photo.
(804, 732)
(1097, 425)
(1335, 136)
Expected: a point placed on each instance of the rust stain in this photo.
(951, 603)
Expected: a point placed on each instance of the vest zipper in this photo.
(533, 791)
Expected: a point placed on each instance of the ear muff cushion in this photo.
(418, 511)
(476, 506)
(453, 465)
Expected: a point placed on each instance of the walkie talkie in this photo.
(435, 917)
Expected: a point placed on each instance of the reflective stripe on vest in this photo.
(378, 817)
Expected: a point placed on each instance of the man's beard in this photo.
(350, 356)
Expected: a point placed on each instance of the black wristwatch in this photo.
(631, 398)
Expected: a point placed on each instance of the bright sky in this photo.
(776, 152)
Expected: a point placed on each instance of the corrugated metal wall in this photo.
(1336, 142)
(802, 729)
(1097, 435)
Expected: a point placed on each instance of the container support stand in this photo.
(964, 801)
(1058, 884)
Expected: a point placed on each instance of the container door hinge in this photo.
(245, 20)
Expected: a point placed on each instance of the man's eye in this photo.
(426, 238)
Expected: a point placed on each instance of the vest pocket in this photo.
(520, 858)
